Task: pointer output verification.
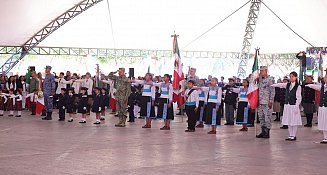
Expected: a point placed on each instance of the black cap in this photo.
(63, 89)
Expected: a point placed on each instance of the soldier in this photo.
(49, 88)
(266, 99)
(123, 90)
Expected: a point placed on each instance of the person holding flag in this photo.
(178, 75)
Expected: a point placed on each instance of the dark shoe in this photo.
(131, 121)
(146, 126)
(200, 125)
(18, 116)
(46, 118)
(10, 115)
(1, 114)
(212, 132)
(244, 129)
(190, 130)
(61, 119)
(97, 123)
(141, 117)
(277, 120)
(102, 118)
(165, 128)
(284, 127)
(267, 133)
(226, 124)
(82, 121)
(116, 115)
(308, 125)
(263, 132)
(324, 142)
(33, 114)
(70, 120)
(291, 138)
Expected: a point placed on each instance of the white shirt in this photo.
(191, 99)
(62, 83)
(112, 89)
(214, 94)
(149, 89)
(241, 94)
(5, 97)
(203, 95)
(76, 85)
(33, 97)
(298, 91)
(88, 83)
(166, 91)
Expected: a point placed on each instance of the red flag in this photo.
(40, 105)
(178, 74)
(253, 92)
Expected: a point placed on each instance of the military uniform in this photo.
(123, 90)
(266, 96)
(49, 88)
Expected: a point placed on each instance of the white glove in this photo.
(84, 108)
(63, 107)
(99, 108)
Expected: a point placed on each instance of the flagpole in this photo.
(255, 122)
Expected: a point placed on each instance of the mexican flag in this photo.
(253, 92)
(321, 69)
(178, 74)
(39, 105)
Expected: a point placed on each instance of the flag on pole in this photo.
(40, 105)
(253, 92)
(178, 73)
(321, 69)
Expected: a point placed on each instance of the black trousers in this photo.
(131, 113)
(33, 107)
(191, 121)
(309, 118)
(61, 113)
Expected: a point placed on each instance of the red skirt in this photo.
(18, 105)
(10, 104)
(2, 104)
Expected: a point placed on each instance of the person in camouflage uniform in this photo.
(266, 99)
(123, 90)
(49, 89)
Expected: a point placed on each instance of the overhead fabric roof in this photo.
(148, 24)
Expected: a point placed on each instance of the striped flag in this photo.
(178, 73)
(253, 92)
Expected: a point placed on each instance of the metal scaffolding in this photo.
(248, 37)
(55, 24)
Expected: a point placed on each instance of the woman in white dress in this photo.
(322, 111)
(291, 114)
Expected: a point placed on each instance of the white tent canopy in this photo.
(146, 24)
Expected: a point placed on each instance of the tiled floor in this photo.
(29, 145)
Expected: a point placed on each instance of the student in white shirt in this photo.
(203, 99)
(214, 101)
(19, 103)
(244, 114)
(191, 105)
(33, 99)
(165, 108)
(147, 99)
(322, 111)
(87, 83)
(293, 97)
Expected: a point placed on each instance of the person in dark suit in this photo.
(308, 99)
(97, 105)
(70, 103)
(61, 101)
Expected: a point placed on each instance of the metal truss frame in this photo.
(265, 59)
(248, 37)
(45, 32)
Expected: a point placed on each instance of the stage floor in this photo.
(29, 145)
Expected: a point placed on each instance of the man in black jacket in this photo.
(230, 101)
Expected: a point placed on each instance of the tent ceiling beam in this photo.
(55, 24)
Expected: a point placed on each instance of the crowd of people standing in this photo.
(205, 101)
